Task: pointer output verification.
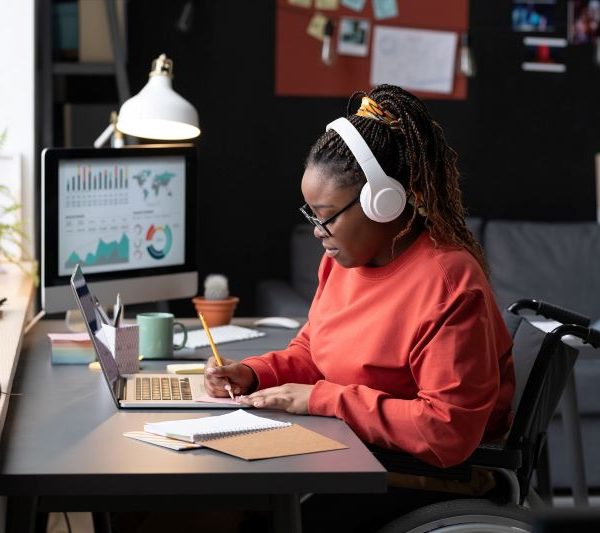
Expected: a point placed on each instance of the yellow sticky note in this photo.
(186, 368)
(300, 3)
(327, 4)
(316, 26)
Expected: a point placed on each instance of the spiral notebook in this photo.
(245, 435)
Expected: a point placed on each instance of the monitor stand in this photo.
(74, 321)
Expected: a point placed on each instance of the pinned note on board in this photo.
(353, 37)
(354, 5)
(327, 5)
(316, 26)
(385, 9)
(301, 3)
(394, 50)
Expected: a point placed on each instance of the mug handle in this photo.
(185, 335)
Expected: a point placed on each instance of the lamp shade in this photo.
(157, 111)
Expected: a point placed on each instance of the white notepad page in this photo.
(197, 338)
(210, 427)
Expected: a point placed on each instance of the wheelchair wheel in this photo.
(463, 516)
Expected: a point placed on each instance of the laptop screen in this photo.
(87, 302)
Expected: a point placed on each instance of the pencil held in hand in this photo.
(214, 351)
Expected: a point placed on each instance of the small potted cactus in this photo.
(216, 305)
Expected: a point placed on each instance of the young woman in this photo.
(404, 340)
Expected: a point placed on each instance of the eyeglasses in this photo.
(322, 224)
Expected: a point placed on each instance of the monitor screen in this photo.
(124, 215)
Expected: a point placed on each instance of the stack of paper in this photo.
(239, 433)
(71, 348)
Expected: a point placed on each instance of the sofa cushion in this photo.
(556, 262)
(475, 226)
(275, 297)
(561, 465)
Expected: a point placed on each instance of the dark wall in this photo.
(525, 140)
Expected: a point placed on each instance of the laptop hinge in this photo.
(121, 385)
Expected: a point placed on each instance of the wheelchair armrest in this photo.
(404, 463)
(496, 456)
(486, 455)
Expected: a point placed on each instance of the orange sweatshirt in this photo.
(413, 355)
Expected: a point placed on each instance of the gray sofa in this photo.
(556, 262)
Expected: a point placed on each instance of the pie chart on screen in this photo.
(159, 240)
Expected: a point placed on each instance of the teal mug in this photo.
(156, 335)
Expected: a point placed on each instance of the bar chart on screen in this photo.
(122, 216)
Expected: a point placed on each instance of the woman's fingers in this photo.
(218, 378)
(291, 397)
(272, 398)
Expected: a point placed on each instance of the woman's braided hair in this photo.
(415, 152)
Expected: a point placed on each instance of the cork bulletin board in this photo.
(299, 70)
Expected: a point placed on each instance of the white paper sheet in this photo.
(209, 427)
(418, 60)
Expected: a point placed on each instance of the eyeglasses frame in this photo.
(322, 225)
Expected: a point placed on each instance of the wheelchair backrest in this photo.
(542, 365)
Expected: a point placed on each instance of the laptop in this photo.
(141, 390)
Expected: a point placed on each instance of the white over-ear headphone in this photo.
(382, 198)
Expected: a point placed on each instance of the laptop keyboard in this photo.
(162, 388)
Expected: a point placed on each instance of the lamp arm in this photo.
(104, 136)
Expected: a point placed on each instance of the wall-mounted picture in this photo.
(534, 16)
(583, 21)
(545, 54)
(353, 37)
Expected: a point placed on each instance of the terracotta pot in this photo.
(216, 312)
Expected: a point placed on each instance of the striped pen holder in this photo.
(123, 343)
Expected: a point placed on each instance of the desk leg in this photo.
(286, 513)
(21, 514)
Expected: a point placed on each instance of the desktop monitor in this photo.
(127, 216)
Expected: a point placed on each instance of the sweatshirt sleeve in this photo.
(455, 366)
(292, 365)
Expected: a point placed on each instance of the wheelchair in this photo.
(542, 364)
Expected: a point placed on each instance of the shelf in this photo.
(18, 288)
(83, 69)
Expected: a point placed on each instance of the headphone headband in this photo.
(382, 198)
(361, 151)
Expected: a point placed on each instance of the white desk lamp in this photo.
(156, 112)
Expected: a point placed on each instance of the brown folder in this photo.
(279, 442)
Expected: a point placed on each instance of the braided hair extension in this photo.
(414, 152)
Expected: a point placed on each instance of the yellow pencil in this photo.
(214, 351)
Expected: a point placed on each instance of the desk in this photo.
(62, 449)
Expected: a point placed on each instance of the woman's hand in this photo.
(291, 397)
(241, 378)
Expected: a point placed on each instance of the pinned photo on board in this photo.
(583, 21)
(353, 37)
(544, 54)
(534, 16)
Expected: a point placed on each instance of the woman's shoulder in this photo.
(455, 266)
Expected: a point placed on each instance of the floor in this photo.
(188, 522)
(162, 522)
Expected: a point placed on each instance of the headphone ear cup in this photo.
(386, 205)
(365, 201)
